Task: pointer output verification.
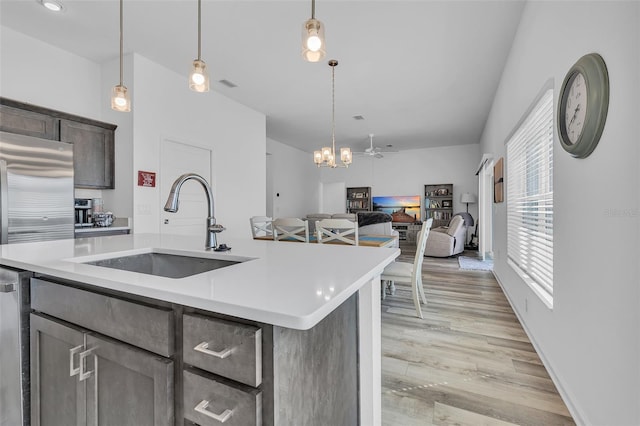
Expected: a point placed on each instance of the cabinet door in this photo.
(57, 394)
(128, 386)
(30, 123)
(93, 153)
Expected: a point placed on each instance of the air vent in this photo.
(358, 117)
(228, 83)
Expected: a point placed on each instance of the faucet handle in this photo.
(216, 228)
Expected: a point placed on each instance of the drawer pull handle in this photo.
(72, 352)
(202, 409)
(83, 373)
(204, 348)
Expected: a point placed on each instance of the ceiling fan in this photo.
(373, 151)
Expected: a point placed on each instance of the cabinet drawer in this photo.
(140, 325)
(225, 348)
(205, 399)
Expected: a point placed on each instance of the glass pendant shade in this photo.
(120, 100)
(199, 76)
(317, 157)
(326, 153)
(345, 155)
(313, 44)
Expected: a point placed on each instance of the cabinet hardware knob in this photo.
(202, 409)
(204, 348)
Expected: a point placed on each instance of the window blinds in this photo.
(530, 196)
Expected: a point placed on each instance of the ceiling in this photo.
(421, 73)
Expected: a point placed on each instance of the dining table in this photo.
(363, 240)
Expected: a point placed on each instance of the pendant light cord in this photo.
(121, 43)
(199, 28)
(313, 9)
(333, 109)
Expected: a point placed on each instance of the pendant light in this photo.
(120, 100)
(327, 156)
(313, 46)
(199, 77)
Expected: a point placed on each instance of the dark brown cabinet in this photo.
(30, 123)
(93, 150)
(94, 141)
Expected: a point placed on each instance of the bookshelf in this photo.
(438, 203)
(359, 199)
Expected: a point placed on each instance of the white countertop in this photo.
(287, 284)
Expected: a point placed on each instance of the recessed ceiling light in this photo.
(52, 5)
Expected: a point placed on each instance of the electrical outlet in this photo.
(144, 209)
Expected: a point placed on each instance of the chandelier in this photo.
(326, 157)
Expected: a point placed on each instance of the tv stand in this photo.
(407, 231)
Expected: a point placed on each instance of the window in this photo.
(530, 198)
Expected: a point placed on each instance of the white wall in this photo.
(406, 172)
(38, 73)
(590, 339)
(295, 182)
(164, 107)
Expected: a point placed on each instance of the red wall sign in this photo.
(146, 179)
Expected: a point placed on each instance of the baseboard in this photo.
(576, 413)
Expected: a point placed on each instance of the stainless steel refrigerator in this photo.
(36, 204)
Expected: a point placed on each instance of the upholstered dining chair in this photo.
(290, 229)
(410, 273)
(342, 231)
(261, 226)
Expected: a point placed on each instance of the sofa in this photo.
(445, 241)
(376, 223)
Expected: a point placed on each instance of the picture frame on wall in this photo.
(498, 181)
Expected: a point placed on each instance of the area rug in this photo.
(475, 264)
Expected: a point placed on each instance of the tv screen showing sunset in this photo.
(407, 204)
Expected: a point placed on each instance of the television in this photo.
(403, 208)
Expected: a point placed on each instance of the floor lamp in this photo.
(468, 198)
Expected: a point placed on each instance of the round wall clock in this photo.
(583, 105)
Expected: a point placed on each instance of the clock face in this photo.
(576, 107)
(583, 105)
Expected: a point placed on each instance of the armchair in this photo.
(445, 241)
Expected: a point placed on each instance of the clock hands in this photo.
(575, 114)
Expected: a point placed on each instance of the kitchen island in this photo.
(310, 313)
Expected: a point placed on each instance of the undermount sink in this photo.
(163, 264)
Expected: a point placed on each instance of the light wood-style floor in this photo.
(468, 362)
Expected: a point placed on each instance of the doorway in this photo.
(485, 208)
(334, 196)
(177, 158)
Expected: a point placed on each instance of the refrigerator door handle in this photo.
(4, 210)
(7, 287)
